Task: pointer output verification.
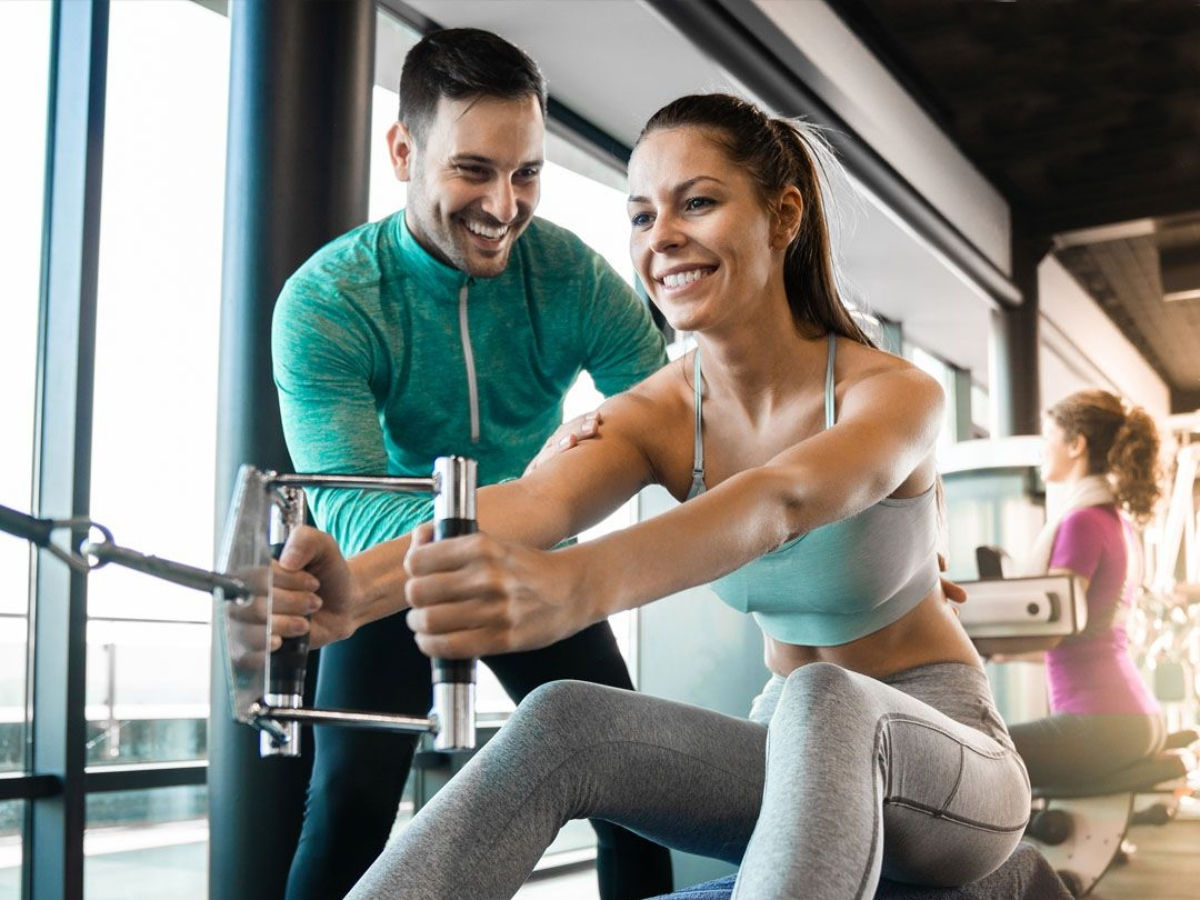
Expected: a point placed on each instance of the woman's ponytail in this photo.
(1133, 462)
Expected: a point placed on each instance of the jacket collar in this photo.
(420, 262)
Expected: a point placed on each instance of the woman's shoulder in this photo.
(858, 355)
(1091, 523)
(1104, 515)
(656, 416)
(868, 373)
(662, 395)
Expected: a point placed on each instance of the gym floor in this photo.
(1165, 866)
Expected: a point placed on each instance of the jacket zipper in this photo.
(469, 359)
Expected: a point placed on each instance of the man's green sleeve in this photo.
(325, 360)
(623, 344)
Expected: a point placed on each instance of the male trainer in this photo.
(454, 326)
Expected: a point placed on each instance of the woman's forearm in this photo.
(379, 577)
(508, 511)
(693, 544)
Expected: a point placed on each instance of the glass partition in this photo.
(146, 845)
(578, 193)
(24, 61)
(158, 311)
(12, 817)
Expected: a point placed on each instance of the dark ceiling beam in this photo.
(740, 38)
(1113, 209)
(1185, 401)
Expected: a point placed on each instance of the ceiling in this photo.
(1086, 116)
(575, 43)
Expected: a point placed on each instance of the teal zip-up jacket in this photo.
(385, 358)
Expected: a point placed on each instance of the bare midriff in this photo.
(930, 633)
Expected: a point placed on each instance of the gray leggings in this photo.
(915, 778)
(1068, 750)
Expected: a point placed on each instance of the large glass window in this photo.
(145, 845)
(944, 373)
(12, 815)
(579, 193)
(24, 61)
(158, 311)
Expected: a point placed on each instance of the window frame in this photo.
(56, 779)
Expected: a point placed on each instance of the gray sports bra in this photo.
(840, 581)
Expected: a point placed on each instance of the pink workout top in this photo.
(1092, 673)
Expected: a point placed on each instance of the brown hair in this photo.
(776, 153)
(458, 63)
(1121, 440)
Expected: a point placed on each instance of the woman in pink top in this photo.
(1102, 716)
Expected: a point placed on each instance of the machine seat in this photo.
(1024, 876)
(1177, 740)
(1143, 776)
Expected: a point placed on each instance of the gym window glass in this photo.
(153, 451)
(24, 61)
(943, 372)
(12, 814)
(579, 193)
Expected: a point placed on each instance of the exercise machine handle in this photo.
(288, 665)
(454, 679)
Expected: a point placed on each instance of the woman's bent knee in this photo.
(563, 710)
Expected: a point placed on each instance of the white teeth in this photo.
(492, 234)
(679, 279)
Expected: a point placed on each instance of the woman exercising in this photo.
(805, 457)
(1103, 717)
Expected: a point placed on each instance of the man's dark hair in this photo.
(463, 62)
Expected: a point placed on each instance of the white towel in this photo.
(1092, 490)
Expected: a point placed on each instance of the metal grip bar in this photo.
(454, 679)
(167, 570)
(389, 483)
(40, 533)
(264, 714)
(287, 666)
(36, 531)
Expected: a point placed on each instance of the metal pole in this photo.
(1016, 383)
(297, 169)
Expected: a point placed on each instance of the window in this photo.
(24, 60)
(12, 815)
(158, 312)
(981, 411)
(578, 193)
(145, 845)
(153, 451)
(944, 374)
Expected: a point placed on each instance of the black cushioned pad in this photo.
(1141, 776)
(1025, 876)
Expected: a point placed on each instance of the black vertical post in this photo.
(1016, 386)
(53, 867)
(297, 173)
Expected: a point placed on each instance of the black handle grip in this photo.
(36, 531)
(285, 674)
(453, 671)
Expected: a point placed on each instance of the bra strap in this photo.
(698, 445)
(830, 412)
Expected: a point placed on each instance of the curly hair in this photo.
(1122, 442)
